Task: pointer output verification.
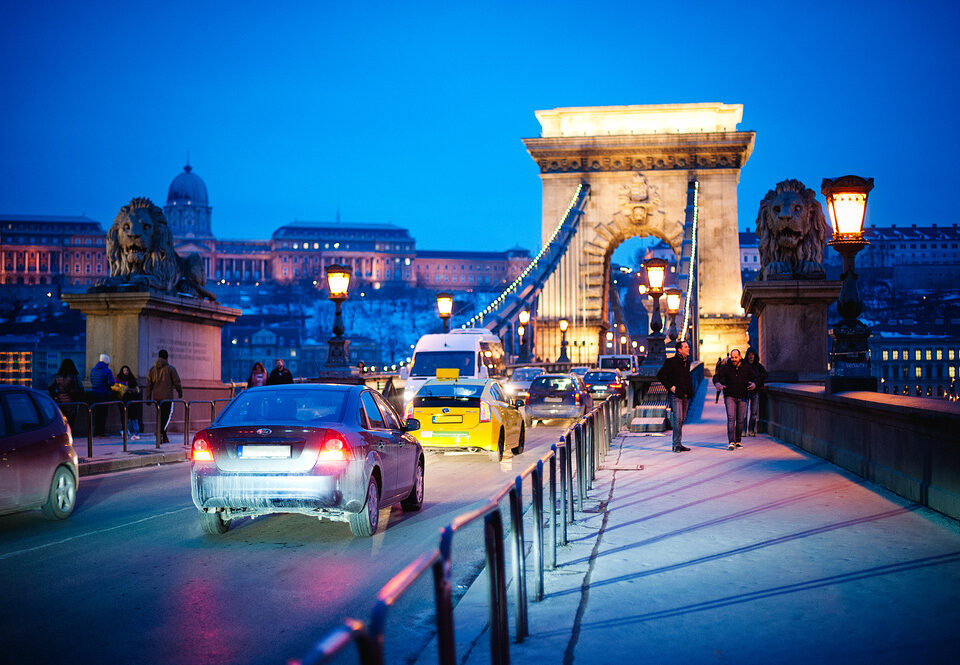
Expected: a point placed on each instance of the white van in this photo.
(476, 352)
(628, 364)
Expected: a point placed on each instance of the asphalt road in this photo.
(130, 578)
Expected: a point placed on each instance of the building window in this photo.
(929, 354)
(939, 354)
(896, 354)
(918, 371)
(886, 355)
(916, 354)
(950, 355)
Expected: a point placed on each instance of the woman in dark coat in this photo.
(132, 393)
(754, 395)
(66, 388)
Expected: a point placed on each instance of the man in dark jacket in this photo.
(675, 377)
(753, 398)
(162, 380)
(101, 378)
(279, 374)
(736, 379)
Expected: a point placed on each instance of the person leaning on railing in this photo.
(66, 388)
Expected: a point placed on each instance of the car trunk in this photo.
(265, 449)
(553, 397)
(447, 412)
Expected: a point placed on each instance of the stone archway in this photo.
(638, 162)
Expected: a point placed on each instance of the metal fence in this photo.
(575, 458)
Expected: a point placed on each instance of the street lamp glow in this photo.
(520, 331)
(673, 301)
(563, 325)
(444, 304)
(524, 317)
(847, 203)
(656, 273)
(609, 336)
(643, 289)
(338, 280)
(623, 339)
(634, 344)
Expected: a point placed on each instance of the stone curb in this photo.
(128, 461)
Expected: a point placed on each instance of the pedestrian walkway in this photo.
(108, 454)
(761, 555)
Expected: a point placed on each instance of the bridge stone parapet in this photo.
(908, 445)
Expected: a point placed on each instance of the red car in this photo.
(38, 465)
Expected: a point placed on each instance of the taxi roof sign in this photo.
(448, 373)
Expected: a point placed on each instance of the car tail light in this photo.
(484, 412)
(615, 385)
(576, 398)
(334, 447)
(201, 451)
(408, 410)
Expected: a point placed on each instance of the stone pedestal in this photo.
(792, 319)
(132, 327)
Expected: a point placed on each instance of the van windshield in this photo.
(615, 363)
(426, 363)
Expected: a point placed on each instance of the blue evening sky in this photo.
(412, 112)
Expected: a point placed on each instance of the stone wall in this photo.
(910, 446)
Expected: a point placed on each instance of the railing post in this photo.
(156, 407)
(553, 505)
(493, 546)
(89, 431)
(186, 424)
(519, 558)
(564, 454)
(443, 594)
(123, 424)
(537, 495)
(575, 454)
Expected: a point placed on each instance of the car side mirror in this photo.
(518, 403)
(412, 425)
(404, 373)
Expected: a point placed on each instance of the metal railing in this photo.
(588, 440)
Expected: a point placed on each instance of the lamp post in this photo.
(656, 344)
(563, 342)
(338, 281)
(609, 337)
(524, 318)
(847, 203)
(445, 309)
(673, 308)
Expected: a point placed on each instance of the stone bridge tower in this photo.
(638, 161)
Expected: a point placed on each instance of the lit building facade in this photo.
(915, 364)
(51, 250)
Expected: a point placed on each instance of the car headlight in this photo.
(509, 389)
(408, 395)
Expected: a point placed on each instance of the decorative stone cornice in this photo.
(647, 152)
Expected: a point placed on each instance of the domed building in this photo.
(188, 210)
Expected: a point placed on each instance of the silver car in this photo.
(331, 451)
(518, 387)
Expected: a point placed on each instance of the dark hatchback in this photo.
(556, 396)
(38, 465)
(605, 383)
(331, 451)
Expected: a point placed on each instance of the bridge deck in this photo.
(767, 554)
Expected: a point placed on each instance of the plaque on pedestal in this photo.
(792, 322)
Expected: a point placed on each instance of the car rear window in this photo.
(526, 374)
(24, 416)
(426, 363)
(452, 389)
(298, 407)
(600, 377)
(552, 383)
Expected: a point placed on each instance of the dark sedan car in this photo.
(556, 396)
(605, 382)
(38, 465)
(331, 451)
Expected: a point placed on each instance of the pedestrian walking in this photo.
(736, 379)
(258, 375)
(131, 393)
(66, 388)
(279, 374)
(101, 390)
(716, 370)
(675, 377)
(162, 380)
(753, 397)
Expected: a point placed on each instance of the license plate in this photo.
(259, 451)
(448, 419)
(426, 434)
(554, 400)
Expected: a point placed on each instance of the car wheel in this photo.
(497, 455)
(213, 523)
(518, 449)
(364, 524)
(62, 497)
(415, 499)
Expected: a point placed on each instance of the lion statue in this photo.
(792, 232)
(141, 255)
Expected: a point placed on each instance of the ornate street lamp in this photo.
(445, 309)
(338, 281)
(563, 342)
(609, 337)
(524, 318)
(656, 344)
(847, 203)
(673, 308)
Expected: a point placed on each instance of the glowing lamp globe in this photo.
(563, 325)
(673, 301)
(338, 280)
(524, 317)
(444, 305)
(656, 273)
(847, 204)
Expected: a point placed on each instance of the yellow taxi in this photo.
(466, 414)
